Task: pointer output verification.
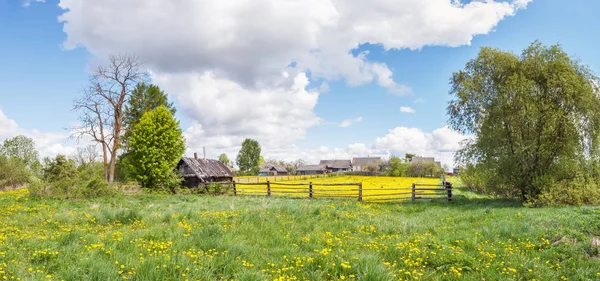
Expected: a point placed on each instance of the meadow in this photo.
(193, 237)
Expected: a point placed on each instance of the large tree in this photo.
(157, 144)
(249, 159)
(102, 106)
(143, 98)
(534, 117)
(22, 148)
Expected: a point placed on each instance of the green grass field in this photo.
(192, 237)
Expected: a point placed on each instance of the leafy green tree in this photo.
(409, 156)
(224, 159)
(157, 145)
(22, 148)
(535, 118)
(59, 168)
(143, 98)
(396, 167)
(249, 159)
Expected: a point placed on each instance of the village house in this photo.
(425, 159)
(196, 171)
(273, 170)
(312, 170)
(359, 163)
(337, 166)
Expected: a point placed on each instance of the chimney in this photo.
(195, 155)
(204, 151)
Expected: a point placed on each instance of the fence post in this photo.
(360, 192)
(268, 188)
(413, 192)
(234, 189)
(310, 190)
(449, 187)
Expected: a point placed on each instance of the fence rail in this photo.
(416, 192)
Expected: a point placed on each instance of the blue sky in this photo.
(42, 72)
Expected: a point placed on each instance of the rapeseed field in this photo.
(374, 188)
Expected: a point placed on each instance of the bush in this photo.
(479, 181)
(63, 180)
(13, 172)
(579, 191)
(424, 169)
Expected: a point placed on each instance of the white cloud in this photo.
(27, 3)
(348, 122)
(48, 143)
(238, 67)
(251, 41)
(407, 109)
(440, 143)
(226, 113)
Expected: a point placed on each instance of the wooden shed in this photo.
(273, 170)
(198, 170)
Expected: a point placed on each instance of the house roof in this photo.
(268, 168)
(206, 168)
(336, 164)
(312, 168)
(422, 159)
(360, 161)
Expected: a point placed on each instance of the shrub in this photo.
(480, 181)
(581, 190)
(424, 169)
(13, 172)
(63, 180)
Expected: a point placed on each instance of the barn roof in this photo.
(268, 168)
(206, 168)
(360, 161)
(336, 164)
(312, 168)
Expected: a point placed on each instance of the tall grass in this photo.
(191, 237)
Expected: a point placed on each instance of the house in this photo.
(273, 170)
(311, 170)
(334, 166)
(425, 159)
(359, 163)
(196, 171)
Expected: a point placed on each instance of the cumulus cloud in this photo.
(348, 122)
(48, 143)
(251, 41)
(239, 68)
(407, 109)
(440, 143)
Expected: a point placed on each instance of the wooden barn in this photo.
(273, 170)
(312, 170)
(336, 166)
(201, 170)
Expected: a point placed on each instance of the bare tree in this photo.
(85, 156)
(102, 106)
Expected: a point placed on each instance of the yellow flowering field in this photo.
(192, 237)
(374, 188)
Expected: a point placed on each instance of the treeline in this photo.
(404, 167)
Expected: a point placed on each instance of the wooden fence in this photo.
(355, 190)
